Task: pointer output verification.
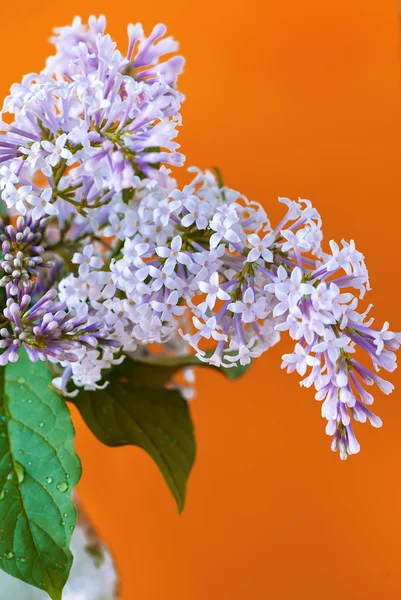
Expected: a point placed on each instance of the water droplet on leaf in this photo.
(9, 555)
(62, 486)
(21, 380)
(20, 471)
(49, 479)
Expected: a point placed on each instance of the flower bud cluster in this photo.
(21, 253)
(46, 330)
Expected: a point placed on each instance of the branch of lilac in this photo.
(103, 257)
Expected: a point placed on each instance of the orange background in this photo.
(287, 98)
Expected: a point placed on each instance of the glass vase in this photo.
(93, 575)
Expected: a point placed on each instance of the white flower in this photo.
(295, 240)
(93, 287)
(332, 345)
(213, 290)
(35, 156)
(133, 252)
(294, 209)
(249, 309)
(289, 292)
(243, 355)
(116, 227)
(384, 336)
(17, 197)
(225, 227)
(300, 359)
(210, 329)
(323, 296)
(56, 151)
(198, 213)
(164, 209)
(260, 248)
(164, 276)
(8, 173)
(174, 254)
(169, 307)
(42, 204)
(86, 261)
(314, 237)
(207, 262)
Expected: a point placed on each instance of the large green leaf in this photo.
(128, 412)
(38, 471)
(156, 372)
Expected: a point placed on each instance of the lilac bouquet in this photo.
(115, 283)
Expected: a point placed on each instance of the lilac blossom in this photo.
(46, 330)
(144, 58)
(241, 289)
(103, 256)
(98, 124)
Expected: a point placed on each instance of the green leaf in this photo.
(38, 471)
(155, 419)
(156, 373)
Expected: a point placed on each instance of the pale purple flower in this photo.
(42, 204)
(250, 309)
(213, 290)
(164, 210)
(17, 197)
(198, 213)
(300, 359)
(290, 291)
(168, 308)
(224, 226)
(163, 276)
(295, 240)
(57, 151)
(87, 260)
(260, 248)
(115, 228)
(332, 344)
(173, 254)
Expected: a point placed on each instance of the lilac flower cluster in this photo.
(47, 330)
(137, 261)
(21, 253)
(97, 124)
(42, 325)
(320, 311)
(184, 256)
